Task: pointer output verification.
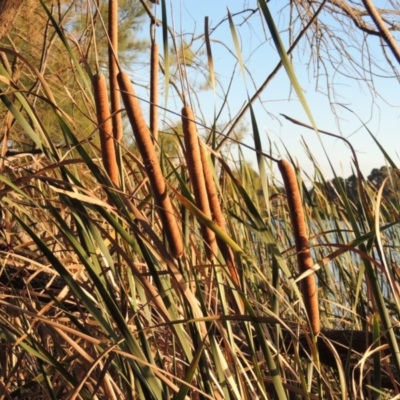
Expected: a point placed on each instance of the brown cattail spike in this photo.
(113, 68)
(304, 258)
(217, 215)
(152, 165)
(195, 167)
(105, 127)
(154, 91)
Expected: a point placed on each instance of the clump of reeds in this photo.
(304, 259)
(196, 173)
(146, 148)
(105, 127)
(154, 90)
(113, 69)
(218, 216)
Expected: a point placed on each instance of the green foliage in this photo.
(95, 306)
(83, 26)
(384, 177)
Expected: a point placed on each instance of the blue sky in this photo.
(260, 58)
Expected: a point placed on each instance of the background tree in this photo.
(377, 178)
(9, 9)
(333, 188)
(84, 26)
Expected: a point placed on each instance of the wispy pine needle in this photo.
(304, 259)
(195, 167)
(113, 69)
(217, 215)
(105, 127)
(146, 148)
(154, 91)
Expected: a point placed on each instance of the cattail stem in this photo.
(154, 91)
(195, 167)
(304, 259)
(113, 69)
(217, 216)
(105, 127)
(146, 148)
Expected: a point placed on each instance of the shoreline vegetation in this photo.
(137, 262)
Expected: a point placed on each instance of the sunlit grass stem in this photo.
(304, 259)
(154, 91)
(146, 148)
(113, 70)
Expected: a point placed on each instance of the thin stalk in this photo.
(113, 69)
(154, 91)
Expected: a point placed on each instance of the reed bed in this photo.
(113, 291)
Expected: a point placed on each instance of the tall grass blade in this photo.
(286, 61)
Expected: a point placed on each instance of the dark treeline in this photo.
(386, 176)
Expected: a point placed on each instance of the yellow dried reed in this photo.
(304, 259)
(154, 91)
(146, 148)
(105, 127)
(195, 167)
(113, 70)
